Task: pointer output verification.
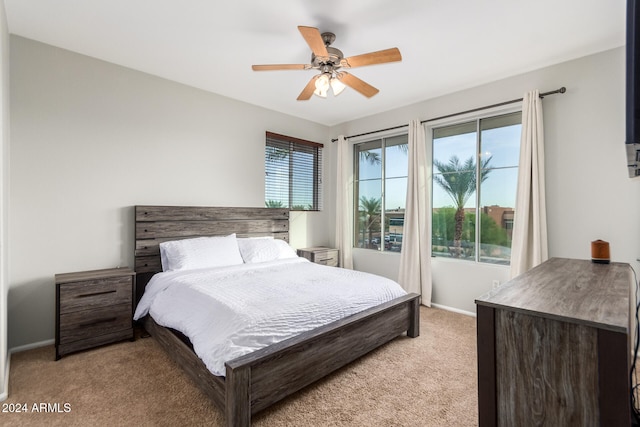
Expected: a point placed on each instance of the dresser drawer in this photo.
(88, 324)
(95, 293)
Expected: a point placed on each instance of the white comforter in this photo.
(230, 311)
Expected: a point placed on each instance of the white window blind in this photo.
(293, 173)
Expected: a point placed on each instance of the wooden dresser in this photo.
(320, 255)
(93, 308)
(554, 347)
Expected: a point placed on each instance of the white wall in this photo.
(589, 194)
(90, 140)
(4, 198)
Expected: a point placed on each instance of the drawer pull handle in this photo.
(96, 293)
(325, 259)
(97, 322)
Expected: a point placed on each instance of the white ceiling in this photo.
(446, 45)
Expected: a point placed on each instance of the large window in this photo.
(293, 173)
(380, 192)
(465, 189)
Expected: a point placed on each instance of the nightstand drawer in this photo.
(320, 255)
(93, 308)
(327, 258)
(87, 324)
(95, 293)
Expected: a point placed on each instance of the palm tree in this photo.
(370, 157)
(274, 153)
(274, 204)
(373, 158)
(458, 180)
(370, 214)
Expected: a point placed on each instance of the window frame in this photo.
(382, 136)
(296, 144)
(461, 119)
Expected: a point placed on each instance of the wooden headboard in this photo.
(157, 224)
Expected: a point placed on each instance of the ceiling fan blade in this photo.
(270, 67)
(308, 90)
(355, 83)
(314, 40)
(379, 57)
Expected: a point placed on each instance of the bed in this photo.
(262, 377)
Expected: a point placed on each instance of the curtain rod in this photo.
(486, 107)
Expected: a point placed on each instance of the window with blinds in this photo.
(293, 173)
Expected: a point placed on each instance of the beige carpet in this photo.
(427, 381)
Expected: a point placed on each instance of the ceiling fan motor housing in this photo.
(328, 38)
(335, 56)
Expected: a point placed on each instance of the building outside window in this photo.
(464, 189)
(293, 173)
(381, 168)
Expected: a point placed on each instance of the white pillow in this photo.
(249, 245)
(265, 249)
(201, 252)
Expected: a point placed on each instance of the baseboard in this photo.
(5, 390)
(32, 346)
(455, 310)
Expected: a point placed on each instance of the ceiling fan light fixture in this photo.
(322, 93)
(322, 85)
(337, 86)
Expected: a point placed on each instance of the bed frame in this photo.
(258, 379)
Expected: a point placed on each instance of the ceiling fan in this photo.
(330, 62)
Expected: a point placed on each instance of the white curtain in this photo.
(529, 244)
(344, 196)
(415, 258)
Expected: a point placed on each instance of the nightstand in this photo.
(93, 308)
(320, 255)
